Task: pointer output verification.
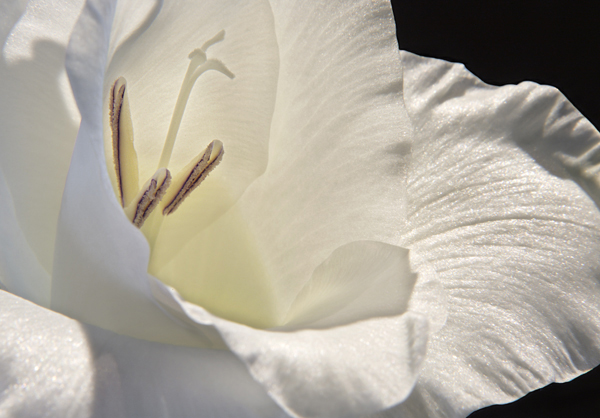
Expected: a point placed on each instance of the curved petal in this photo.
(55, 367)
(362, 357)
(345, 371)
(38, 118)
(337, 153)
(515, 245)
(429, 297)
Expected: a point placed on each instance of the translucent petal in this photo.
(514, 240)
(338, 150)
(363, 279)
(38, 119)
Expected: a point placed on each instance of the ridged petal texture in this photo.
(514, 239)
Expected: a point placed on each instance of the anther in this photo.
(124, 155)
(148, 197)
(192, 175)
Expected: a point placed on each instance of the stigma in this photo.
(161, 190)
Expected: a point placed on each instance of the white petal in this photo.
(337, 154)
(55, 367)
(341, 372)
(10, 12)
(132, 18)
(37, 117)
(429, 297)
(46, 367)
(515, 242)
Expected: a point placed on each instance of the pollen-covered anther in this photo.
(124, 155)
(192, 175)
(148, 197)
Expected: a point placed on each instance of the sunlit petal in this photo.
(363, 279)
(314, 373)
(514, 240)
(338, 152)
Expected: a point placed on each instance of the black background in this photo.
(506, 42)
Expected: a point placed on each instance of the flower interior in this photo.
(235, 290)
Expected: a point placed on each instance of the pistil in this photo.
(124, 155)
(199, 64)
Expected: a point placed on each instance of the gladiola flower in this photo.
(420, 245)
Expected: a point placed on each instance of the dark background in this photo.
(506, 42)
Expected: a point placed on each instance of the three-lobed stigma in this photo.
(139, 203)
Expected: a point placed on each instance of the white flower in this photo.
(294, 249)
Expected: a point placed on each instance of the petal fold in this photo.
(343, 371)
(55, 367)
(362, 350)
(363, 279)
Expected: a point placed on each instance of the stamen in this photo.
(149, 197)
(124, 155)
(199, 64)
(192, 175)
